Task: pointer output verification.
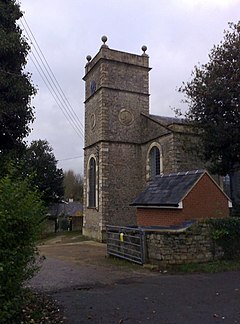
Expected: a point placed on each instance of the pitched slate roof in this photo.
(166, 121)
(168, 189)
(66, 208)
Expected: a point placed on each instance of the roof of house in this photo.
(66, 208)
(168, 189)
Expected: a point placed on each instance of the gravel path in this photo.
(84, 264)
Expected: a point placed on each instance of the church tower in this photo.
(116, 94)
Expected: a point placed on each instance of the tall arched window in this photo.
(154, 160)
(92, 183)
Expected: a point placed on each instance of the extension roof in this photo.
(168, 190)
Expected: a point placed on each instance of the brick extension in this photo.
(205, 200)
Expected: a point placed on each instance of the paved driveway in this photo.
(93, 290)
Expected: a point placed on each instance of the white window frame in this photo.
(148, 160)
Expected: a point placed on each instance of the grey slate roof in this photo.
(67, 208)
(168, 190)
(166, 121)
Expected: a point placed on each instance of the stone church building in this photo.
(125, 145)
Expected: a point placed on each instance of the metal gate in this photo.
(126, 242)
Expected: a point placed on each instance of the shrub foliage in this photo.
(226, 233)
(20, 213)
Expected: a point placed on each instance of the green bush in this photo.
(21, 210)
(226, 233)
(236, 211)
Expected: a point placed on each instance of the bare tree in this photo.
(73, 186)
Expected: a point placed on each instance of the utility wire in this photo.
(51, 72)
(51, 81)
(53, 87)
(72, 158)
(53, 93)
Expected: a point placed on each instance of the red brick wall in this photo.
(158, 217)
(205, 200)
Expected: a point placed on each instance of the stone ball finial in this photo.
(104, 39)
(144, 48)
(89, 57)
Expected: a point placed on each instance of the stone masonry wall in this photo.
(95, 218)
(184, 158)
(124, 183)
(168, 155)
(174, 157)
(192, 245)
(116, 104)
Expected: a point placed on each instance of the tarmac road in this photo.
(161, 299)
(94, 292)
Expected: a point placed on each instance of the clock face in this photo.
(93, 86)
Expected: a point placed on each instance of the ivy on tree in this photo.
(16, 88)
(213, 96)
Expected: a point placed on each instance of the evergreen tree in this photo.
(16, 88)
(40, 163)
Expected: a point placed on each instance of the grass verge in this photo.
(209, 267)
(121, 263)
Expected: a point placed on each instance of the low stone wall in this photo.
(191, 245)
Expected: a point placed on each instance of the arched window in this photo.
(92, 183)
(154, 161)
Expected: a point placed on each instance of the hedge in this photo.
(226, 233)
(21, 210)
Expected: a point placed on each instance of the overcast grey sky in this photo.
(178, 33)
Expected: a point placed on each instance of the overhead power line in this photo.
(54, 95)
(63, 96)
(72, 158)
(48, 77)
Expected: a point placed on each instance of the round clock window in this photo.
(125, 117)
